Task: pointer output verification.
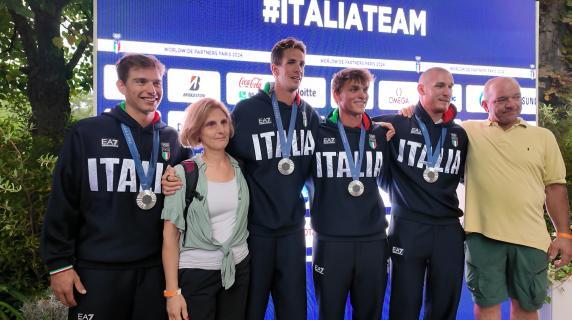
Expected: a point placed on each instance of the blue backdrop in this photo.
(221, 48)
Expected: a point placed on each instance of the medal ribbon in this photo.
(144, 179)
(432, 155)
(354, 168)
(285, 146)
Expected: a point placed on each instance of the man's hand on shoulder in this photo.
(63, 283)
(170, 182)
(407, 111)
(390, 129)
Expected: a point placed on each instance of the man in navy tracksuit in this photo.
(427, 160)
(102, 232)
(274, 137)
(348, 215)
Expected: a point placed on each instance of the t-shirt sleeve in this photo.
(554, 168)
(175, 204)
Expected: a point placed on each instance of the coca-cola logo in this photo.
(254, 83)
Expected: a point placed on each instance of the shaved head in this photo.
(491, 83)
(430, 73)
(435, 89)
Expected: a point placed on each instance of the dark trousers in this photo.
(355, 268)
(277, 267)
(121, 294)
(206, 297)
(430, 254)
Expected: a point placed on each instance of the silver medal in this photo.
(356, 188)
(146, 199)
(430, 174)
(286, 166)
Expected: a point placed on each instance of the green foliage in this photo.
(559, 121)
(24, 187)
(76, 31)
(7, 311)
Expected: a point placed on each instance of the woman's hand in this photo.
(177, 308)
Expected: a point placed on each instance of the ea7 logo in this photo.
(416, 131)
(84, 316)
(329, 140)
(319, 269)
(110, 143)
(397, 250)
(263, 121)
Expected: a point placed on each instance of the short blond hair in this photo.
(195, 117)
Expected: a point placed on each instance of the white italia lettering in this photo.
(449, 159)
(92, 174)
(438, 163)
(158, 174)
(354, 19)
(368, 167)
(318, 164)
(267, 136)
(313, 15)
(256, 144)
(457, 163)
(294, 151)
(401, 150)
(302, 144)
(422, 158)
(339, 162)
(127, 175)
(329, 163)
(418, 159)
(378, 163)
(309, 144)
(343, 167)
(109, 164)
(328, 23)
(414, 145)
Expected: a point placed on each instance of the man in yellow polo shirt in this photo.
(513, 169)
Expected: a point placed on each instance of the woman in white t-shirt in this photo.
(205, 256)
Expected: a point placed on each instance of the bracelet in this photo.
(60, 270)
(170, 294)
(565, 235)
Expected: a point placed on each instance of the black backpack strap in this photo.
(192, 178)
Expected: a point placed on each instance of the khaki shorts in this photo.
(498, 270)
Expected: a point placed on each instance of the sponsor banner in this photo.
(216, 53)
(457, 98)
(396, 95)
(313, 91)
(191, 85)
(475, 95)
(370, 92)
(176, 119)
(529, 100)
(110, 91)
(240, 86)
